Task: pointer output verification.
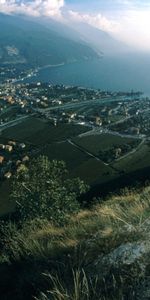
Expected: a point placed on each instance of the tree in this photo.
(43, 191)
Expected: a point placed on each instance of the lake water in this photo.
(109, 73)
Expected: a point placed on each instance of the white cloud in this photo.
(125, 2)
(135, 28)
(96, 20)
(34, 7)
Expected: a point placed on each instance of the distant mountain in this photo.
(24, 41)
(101, 41)
(66, 30)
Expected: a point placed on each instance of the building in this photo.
(7, 175)
(25, 158)
(9, 148)
(22, 145)
(1, 159)
(98, 121)
(12, 143)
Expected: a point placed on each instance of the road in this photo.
(90, 102)
(98, 131)
(13, 122)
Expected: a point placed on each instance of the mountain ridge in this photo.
(23, 41)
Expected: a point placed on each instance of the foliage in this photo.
(43, 191)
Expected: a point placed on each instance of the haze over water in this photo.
(124, 73)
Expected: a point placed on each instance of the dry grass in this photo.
(82, 288)
(106, 226)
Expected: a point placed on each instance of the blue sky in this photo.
(126, 20)
(94, 5)
(107, 5)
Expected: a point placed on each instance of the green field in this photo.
(64, 151)
(136, 161)
(79, 163)
(38, 131)
(101, 142)
(94, 172)
(3, 140)
(24, 130)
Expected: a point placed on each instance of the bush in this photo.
(43, 191)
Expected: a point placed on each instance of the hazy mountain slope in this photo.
(64, 28)
(86, 34)
(101, 40)
(23, 41)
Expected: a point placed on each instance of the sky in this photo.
(126, 20)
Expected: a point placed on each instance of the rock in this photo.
(124, 269)
(127, 254)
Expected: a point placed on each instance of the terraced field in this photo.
(38, 131)
(136, 161)
(98, 143)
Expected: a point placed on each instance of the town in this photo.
(98, 112)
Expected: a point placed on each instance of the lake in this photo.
(115, 73)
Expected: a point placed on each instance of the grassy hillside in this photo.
(101, 254)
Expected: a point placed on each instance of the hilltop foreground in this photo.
(98, 253)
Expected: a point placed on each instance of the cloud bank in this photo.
(33, 8)
(96, 20)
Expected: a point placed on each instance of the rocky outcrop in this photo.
(125, 268)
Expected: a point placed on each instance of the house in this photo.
(12, 143)
(118, 152)
(25, 158)
(1, 159)
(134, 130)
(98, 121)
(9, 148)
(7, 175)
(22, 145)
(18, 162)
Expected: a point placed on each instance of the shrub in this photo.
(42, 190)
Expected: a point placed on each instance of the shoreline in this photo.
(68, 75)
